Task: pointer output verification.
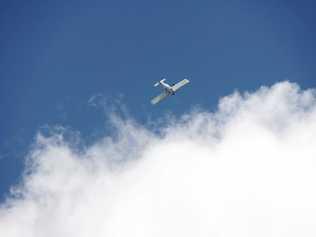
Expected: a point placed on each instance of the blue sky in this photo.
(56, 55)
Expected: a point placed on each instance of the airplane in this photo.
(168, 90)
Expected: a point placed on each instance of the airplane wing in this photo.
(180, 84)
(159, 98)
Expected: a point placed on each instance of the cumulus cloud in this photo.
(248, 169)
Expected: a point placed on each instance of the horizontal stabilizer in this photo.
(157, 83)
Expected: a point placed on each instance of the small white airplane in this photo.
(168, 90)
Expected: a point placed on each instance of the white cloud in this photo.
(248, 169)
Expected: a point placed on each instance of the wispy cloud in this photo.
(248, 169)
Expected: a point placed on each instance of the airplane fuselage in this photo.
(167, 87)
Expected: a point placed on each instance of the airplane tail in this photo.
(158, 83)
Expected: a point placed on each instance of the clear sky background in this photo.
(56, 55)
